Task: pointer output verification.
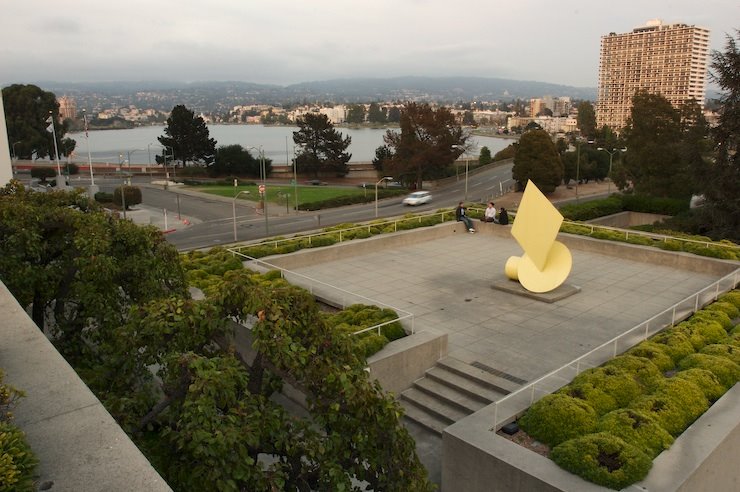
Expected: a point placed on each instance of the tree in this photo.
(485, 156)
(661, 148)
(720, 181)
(375, 114)
(429, 141)
(127, 196)
(323, 150)
(394, 114)
(468, 118)
(355, 114)
(76, 267)
(235, 160)
(587, 120)
(188, 137)
(537, 159)
(27, 109)
(383, 154)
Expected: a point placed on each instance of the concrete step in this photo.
(467, 386)
(498, 383)
(428, 421)
(449, 395)
(433, 405)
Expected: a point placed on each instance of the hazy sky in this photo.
(285, 42)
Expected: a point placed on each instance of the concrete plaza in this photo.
(447, 283)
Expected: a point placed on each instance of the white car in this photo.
(417, 198)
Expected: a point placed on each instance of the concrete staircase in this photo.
(451, 390)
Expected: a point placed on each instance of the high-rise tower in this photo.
(666, 59)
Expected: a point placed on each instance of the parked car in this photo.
(417, 198)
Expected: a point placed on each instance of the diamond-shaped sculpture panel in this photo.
(546, 263)
(536, 226)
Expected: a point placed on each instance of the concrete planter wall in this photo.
(703, 458)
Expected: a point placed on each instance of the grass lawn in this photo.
(276, 193)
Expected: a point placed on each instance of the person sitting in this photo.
(490, 214)
(503, 217)
(461, 217)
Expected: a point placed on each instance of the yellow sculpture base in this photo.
(558, 264)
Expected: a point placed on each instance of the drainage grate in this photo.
(498, 373)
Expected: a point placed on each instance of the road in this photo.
(212, 218)
(213, 222)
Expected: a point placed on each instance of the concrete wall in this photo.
(703, 458)
(403, 361)
(6, 170)
(628, 219)
(80, 446)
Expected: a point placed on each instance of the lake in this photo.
(141, 145)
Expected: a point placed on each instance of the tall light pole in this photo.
(15, 156)
(609, 175)
(174, 174)
(233, 205)
(295, 179)
(467, 163)
(60, 180)
(578, 168)
(384, 178)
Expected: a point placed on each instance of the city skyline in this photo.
(284, 42)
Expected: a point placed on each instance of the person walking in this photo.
(461, 217)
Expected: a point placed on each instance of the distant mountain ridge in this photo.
(215, 95)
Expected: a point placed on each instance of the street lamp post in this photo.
(15, 156)
(609, 176)
(467, 163)
(384, 178)
(234, 209)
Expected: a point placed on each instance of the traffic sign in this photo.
(262, 189)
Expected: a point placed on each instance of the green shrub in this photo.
(675, 405)
(592, 209)
(638, 429)
(647, 374)
(103, 197)
(43, 172)
(713, 315)
(370, 343)
(654, 353)
(613, 381)
(702, 332)
(654, 205)
(705, 380)
(728, 308)
(557, 417)
(727, 351)
(603, 459)
(17, 461)
(600, 401)
(733, 297)
(132, 195)
(727, 372)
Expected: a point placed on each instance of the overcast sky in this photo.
(290, 41)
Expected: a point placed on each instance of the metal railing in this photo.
(332, 293)
(516, 402)
(350, 233)
(656, 237)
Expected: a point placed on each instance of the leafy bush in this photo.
(705, 380)
(17, 461)
(103, 197)
(675, 405)
(558, 417)
(702, 332)
(593, 209)
(603, 459)
(653, 205)
(638, 429)
(132, 195)
(647, 374)
(613, 381)
(727, 372)
(599, 400)
(654, 353)
(713, 315)
(43, 172)
(674, 343)
(723, 350)
(733, 297)
(360, 316)
(726, 307)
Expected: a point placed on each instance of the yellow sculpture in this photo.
(546, 263)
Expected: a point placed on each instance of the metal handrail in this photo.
(645, 325)
(651, 235)
(406, 315)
